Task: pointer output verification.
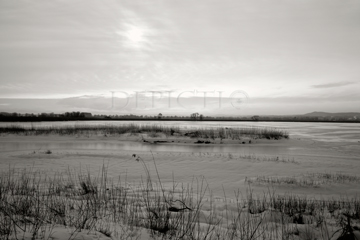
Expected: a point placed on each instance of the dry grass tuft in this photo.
(33, 203)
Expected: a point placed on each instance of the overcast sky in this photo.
(287, 56)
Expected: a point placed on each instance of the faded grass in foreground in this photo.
(152, 130)
(32, 205)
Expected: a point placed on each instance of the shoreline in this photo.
(53, 119)
(146, 139)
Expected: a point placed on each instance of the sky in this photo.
(257, 56)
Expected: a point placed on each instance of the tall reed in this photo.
(34, 203)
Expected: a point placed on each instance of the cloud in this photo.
(331, 85)
(92, 48)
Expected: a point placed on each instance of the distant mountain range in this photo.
(326, 114)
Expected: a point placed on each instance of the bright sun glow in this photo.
(135, 34)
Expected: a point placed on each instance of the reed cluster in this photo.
(152, 130)
(306, 180)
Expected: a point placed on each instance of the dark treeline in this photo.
(83, 116)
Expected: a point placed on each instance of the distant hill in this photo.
(326, 114)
